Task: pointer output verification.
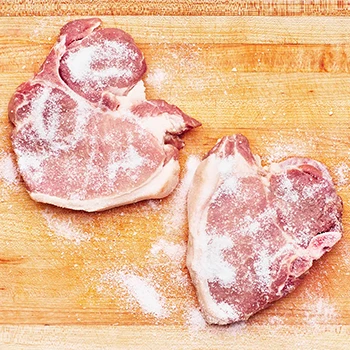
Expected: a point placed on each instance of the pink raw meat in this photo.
(85, 136)
(255, 231)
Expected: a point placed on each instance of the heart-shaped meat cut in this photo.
(85, 136)
(255, 231)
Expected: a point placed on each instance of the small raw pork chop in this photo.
(85, 136)
(255, 231)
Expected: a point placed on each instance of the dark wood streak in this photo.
(11, 261)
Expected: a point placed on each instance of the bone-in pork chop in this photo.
(255, 231)
(85, 136)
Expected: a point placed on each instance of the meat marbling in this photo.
(255, 231)
(85, 136)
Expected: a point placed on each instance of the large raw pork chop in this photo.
(85, 136)
(255, 231)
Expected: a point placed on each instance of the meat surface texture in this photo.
(255, 231)
(85, 136)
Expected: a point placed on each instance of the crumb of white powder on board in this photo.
(279, 148)
(156, 78)
(9, 176)
(321, 312)
(175, 216)
(140, 290)
(342, 174)
(64, 228)
(195, 320)
(145, 287)
(176, 252)
(8, 169)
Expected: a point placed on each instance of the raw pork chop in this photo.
(85, 136)
(255, 231)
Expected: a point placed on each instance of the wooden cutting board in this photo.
(284, 83)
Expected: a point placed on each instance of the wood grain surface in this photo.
(174, 8)
(282, 81)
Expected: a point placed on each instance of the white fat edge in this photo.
(295, 162)
(135, 96)
(195, 320)
(274, 168)
(164, 177)
(220, 313)
(158, 126)
(198, 211)
(175, 217)
(204, 184)
(257, 159)
(208, 177)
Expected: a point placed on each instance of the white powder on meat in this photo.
(80, 63)
(250, 226)
(229, 187)
(229, 310)
(262, 269)
(129, 160)
(31, 164)
(215, 267)
(286, 186)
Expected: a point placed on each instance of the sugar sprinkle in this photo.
(176, 252)
(175, 218)
(342, 172)
(322, 312)
(141, 289)
(195, 320)
(8, 169)
(65, 228)
(156, 78)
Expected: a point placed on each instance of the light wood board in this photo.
(283, 82)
